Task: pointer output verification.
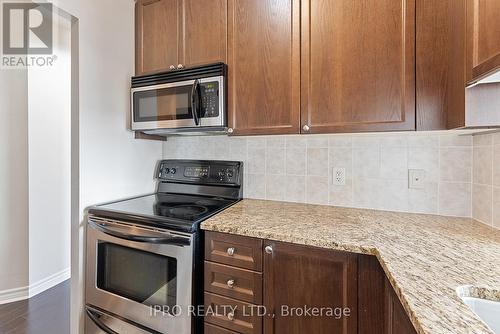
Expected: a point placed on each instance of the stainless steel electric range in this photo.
(144, 271)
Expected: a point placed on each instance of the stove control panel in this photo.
(196, 172)
(201, 172)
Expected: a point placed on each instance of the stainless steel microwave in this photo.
(191, 100)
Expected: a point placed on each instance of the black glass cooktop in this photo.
(176, 211)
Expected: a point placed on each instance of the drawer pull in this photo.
(230, 251)
(230, 283)
(230, 316)
(269, 249)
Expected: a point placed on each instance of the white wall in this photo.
(49, 123)
(35, 175)
(107, 163)
(13, 181)
(113, 164)
(483, 105)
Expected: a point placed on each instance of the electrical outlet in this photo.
(339, 176)
(416, 178)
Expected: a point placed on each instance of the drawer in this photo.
(242, 284)
(211, 329)
(234, 250)
(219, 312)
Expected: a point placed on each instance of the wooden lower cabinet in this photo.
(232, 314)
(397, 321)
(298, 289)
(300, 280)
(379, 309)
(212, 329)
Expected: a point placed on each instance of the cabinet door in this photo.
(264, 66)
(483, 29)
(372, 317)
(358, 65)
(157, 24)
(440, 64)
(379, 309)
(299, 276)
(397, 319)
(204, 32)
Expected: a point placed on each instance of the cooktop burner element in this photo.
(191, 194)
(187, 211)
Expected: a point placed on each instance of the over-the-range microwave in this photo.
(184, 101)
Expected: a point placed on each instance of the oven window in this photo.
(144, 277)
(165, 104)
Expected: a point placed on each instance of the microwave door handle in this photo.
(155, 238)
(99, 323)
(195, 101)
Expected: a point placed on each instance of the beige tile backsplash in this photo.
(300, 169)
(486, 179)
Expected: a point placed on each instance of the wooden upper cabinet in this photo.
(264, 66)
(358, 65)
(204, 33)
(297, 276)
(440, 64)
(173, 32)
(157, 23)
(483, 41)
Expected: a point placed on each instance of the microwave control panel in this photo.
(210, 99)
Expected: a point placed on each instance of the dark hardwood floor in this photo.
(46, 313)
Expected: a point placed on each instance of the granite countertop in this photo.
(426, 257)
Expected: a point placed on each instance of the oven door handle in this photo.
(138, 235)
(95, 318)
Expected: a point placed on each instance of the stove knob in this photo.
(173, 170)
(166, 170)
(229, 173)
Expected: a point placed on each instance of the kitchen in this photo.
(339, 159)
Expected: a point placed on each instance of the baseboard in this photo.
(49, 282)
(14, 295)
(25, 292)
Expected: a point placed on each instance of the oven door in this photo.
(178, 105)
(140, 274)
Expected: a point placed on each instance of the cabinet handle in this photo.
(230, 251)
(230, 283)
(230, 316)
(306, 128)
(171, 67)
(230, 130)
(268, 249)
(180, 67)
